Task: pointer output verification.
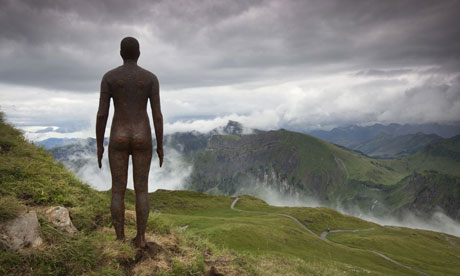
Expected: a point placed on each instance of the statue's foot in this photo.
(139, 242)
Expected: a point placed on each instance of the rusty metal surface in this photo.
(130, 87)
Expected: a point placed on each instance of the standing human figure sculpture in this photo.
(130, 87)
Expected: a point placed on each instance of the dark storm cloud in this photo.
(68, 45)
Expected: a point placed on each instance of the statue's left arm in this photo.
(157, 116)
(101, 120)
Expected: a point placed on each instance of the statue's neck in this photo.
(129, 61)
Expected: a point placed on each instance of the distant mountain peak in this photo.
(234, 127)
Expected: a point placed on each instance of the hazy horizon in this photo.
(297, 65)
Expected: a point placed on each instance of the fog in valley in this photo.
(438, 221)
(171, 176)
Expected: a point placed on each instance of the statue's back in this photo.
(130, 87)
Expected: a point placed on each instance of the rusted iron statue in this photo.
(130, 87)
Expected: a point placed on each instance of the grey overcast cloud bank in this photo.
(267, 64)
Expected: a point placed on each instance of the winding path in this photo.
(323, 235)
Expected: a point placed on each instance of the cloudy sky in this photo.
(268, 64)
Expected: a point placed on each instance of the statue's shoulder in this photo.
(112, 73)
(148, 74)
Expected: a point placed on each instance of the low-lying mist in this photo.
(171, 176)
(438, 221)
(275, 198)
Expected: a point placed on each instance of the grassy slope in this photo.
(298, 155)
(318, 154)
(316, 219)
(29, 174)
(31, 180)
(311, 166)
(442, 156)
(259, 244)
(273, 235)
(388, 146)
(428, 251)
(425, 192)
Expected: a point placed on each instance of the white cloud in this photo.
(313, 102)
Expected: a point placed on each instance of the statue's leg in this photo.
(119, 168)
(141, 168)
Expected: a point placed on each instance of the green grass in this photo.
(444, 192)
(10, 208)
(428, 251)
(442, 156)
(312, 167)
(319, 154)
(261, 235)
(271, 236)
(265, 236)
(316, 219)
(30, 175)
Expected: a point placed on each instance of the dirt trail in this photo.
(323, 235)
(267, 213)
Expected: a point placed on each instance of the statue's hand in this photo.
(160, 155)
(100, 153)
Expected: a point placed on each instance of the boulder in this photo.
(59, 217)
(21, 232)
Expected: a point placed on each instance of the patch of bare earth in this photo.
(162, 250)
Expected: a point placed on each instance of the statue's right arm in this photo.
(101, 120)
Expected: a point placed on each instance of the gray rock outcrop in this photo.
(21, 232)
(59, 217)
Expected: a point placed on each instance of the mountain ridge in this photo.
(297, 165)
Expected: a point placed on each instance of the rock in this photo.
(183, 228)
(21, 232)
(59, 217)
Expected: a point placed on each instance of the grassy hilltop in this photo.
(195, 231)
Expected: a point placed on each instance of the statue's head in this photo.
(129, 48)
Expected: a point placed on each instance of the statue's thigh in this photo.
(141, 167)
(118, 160)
